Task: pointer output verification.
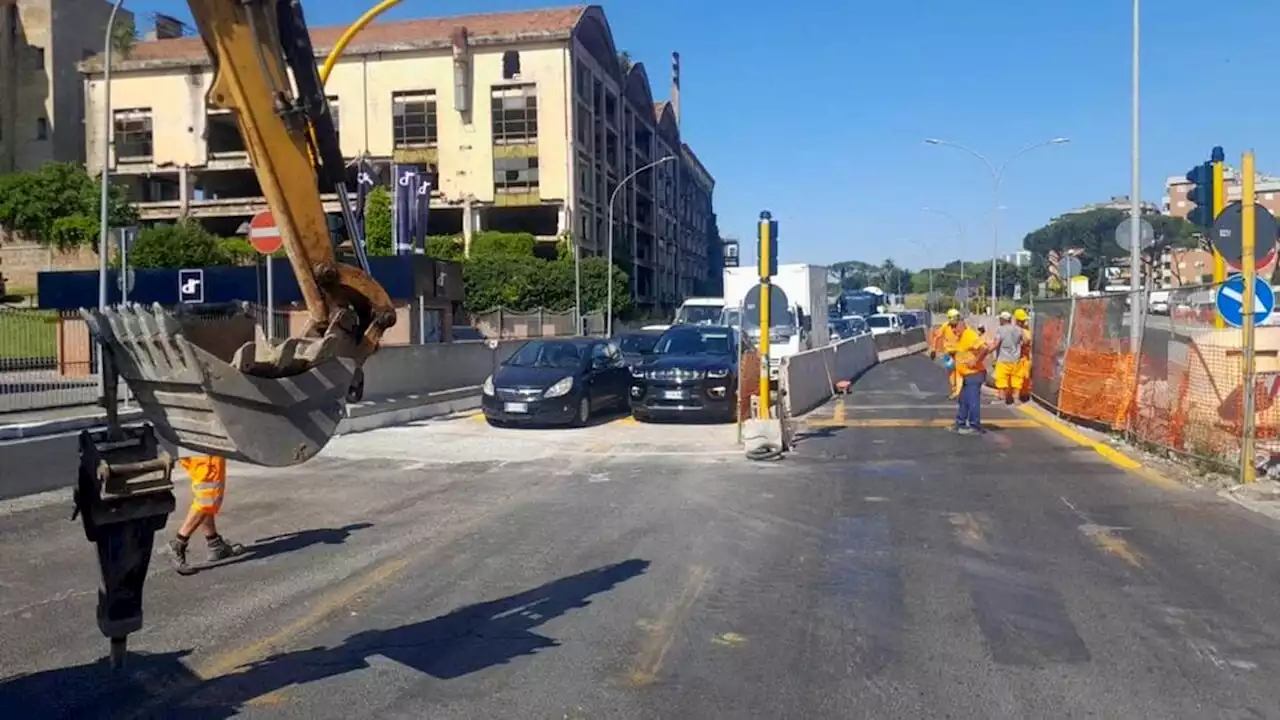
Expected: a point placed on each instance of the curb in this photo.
(1108, 453)
(26, 431)
(374, 415)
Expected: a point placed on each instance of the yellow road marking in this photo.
(628, 420)
(838, 415)
(1002, 424)
(662, 633)
(1110, 454)
(479, 417)
(731, 639)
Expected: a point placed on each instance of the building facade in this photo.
(522, 122)
(1266, 191)
(41, 91)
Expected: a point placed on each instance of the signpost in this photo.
(125, 235)
(1124, 235)
(265, 237)
(767, 235)
(1230, 300)
(1227, 236)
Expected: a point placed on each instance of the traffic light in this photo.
(1201, 195)
(767, 251)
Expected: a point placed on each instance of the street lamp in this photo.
(997, 174)
(104, 155)
(608, 323)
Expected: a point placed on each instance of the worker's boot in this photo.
(220, 549)
(178, 554)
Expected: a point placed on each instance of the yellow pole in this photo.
(1219, 202)
(1247, 230)
(349, 34)
(765, 290)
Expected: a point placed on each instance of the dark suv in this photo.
(693, 373)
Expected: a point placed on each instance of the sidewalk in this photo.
(49, 421)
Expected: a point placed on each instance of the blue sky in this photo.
(817, 111)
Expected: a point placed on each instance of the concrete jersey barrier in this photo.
(808, 379)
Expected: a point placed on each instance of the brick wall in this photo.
(21, 261)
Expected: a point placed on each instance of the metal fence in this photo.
(1182, 391)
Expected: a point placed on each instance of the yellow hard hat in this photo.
(1020, 315)
(953, 313)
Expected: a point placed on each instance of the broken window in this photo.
(133, 137)
(222, 136)
(510, 65)
(414, 122)
(37, 57)
(515, 175)
(515, 114)
(42, 129)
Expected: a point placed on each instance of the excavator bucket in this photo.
(271, 405)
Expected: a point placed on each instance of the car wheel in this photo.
(583, 416)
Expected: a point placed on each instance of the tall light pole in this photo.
(104, 156)
(608, 324)
(1135, 200)
(997, 174)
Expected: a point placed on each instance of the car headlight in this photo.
(487, 387)
(562, 387)
(721, 373)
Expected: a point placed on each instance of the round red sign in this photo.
(264, 234)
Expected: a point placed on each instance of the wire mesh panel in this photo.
(47, 360)
(1097, 372)
(1048, 348)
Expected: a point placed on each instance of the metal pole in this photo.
(104, 157)
(577, 285)
(271, 301)
(1135, 201)
(608, 325)
(124, 267)
(1248, 230)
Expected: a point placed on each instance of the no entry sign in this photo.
(264, 234)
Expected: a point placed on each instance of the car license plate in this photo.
(673, 394)
(515, 407)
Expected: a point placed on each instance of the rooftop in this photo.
(423, 33)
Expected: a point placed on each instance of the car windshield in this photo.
(857, 324)
(879, 321)
(699, 314)
(637, 344)
(562, 355)
(688, 341)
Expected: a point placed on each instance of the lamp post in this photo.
(1135, 201)
(997, 174)
(104, 156)
(608, 324)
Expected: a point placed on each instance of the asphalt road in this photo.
(886, 569)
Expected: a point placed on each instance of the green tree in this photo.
(124, 36)
(57, 205)
(185, 244)
(378, 222)
(492, 243)
(1094, 232)
(445, 247)
(624, 59)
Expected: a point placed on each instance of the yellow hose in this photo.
(349, 34)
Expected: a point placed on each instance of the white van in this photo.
(884, 323)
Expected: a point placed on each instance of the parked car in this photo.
(637, 345)
(858, 325)
(693, 373)
(884, 323)
(556, 381)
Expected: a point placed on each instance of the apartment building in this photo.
(1266, 191)
(522, 121)
(41, 91)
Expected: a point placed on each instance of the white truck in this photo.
(798, 311)
(695, 311)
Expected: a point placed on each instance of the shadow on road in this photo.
(289, 542)
(450, 646)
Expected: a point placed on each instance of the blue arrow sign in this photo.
(1230, 300)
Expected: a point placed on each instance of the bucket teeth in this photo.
(273, 406)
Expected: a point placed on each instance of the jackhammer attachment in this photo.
(266, 405)
(124, 494)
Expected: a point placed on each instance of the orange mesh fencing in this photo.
(1097, 372)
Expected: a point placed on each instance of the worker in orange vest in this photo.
(970, 354)
(944, 341)
(208, 484)
(1023, 321)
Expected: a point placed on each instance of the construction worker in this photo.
(208, 483)
(1023, 320)
(1008, 349)
(944, 341)
(971, 352)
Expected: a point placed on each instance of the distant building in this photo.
(41, 93)
(1117, 202)
(1266, 191)
(1021, 258)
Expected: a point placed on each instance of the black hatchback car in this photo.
(556, 381)
(693, 373)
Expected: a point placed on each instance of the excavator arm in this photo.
(270, 404)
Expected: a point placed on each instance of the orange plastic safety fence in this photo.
(1097, 374)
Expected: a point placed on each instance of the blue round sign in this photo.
(1230, 300)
